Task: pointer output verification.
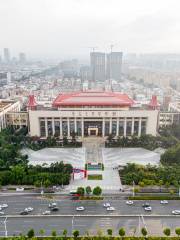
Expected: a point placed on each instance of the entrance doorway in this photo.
(92, 128)
(92, 131)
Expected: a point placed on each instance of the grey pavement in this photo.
(132, 225)
(68, 207)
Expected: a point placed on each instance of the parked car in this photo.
(28, 209)
(176, 212)
(106, 205)
(4, 205)
(149, 209)
(24, 213)
(146, 205)
(52, 205)
(80, 208)
(110, 209)
(129, 202)
(1, 213)
(46, 212)
(164, 202)
(54, 209)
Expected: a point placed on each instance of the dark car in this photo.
(24, 213)
(146, 205)
(54, 209)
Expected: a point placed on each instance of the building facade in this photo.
(114, 65)
(92, 114)
(98, 68)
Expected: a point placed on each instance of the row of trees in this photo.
(57, 173)
(150, 175)
(171, 156)
(146, 141)
(96, 191)
(36, 143)
(122, 233)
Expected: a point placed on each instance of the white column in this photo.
(46, 127)
(75, 125)
(82, 127)
(103, 127)
(68, 124)
(132, 127)
(139, 129)
(61, 127)
(110, 126)
(125, 126)
(117, 127)
(53, 127)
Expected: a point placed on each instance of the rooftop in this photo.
(4, 104)
(93, 99)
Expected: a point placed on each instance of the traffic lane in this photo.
(66, 206)
(92, 225)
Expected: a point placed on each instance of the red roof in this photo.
(92, 99)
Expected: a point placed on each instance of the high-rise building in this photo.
(98, 66)
(6, 55)
(114, 65)
(22, 57)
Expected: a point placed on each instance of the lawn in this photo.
(95, 177)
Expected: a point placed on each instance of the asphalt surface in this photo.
(94, 218)
(132, 225)
(68, 207)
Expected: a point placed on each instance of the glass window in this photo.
(107, 126)
(42, 129)
(121, 128)
(114, 126)
(128, 128)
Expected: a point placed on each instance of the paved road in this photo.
(132, 225)
(68, 207)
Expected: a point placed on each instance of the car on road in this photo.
(176, 212)
(29, 209)
(129, 202)
(46, 212)
(146, 205)
(4, 205)
(106, 205)
(24, 213)
(52, 205)
(110, 209)
(80, 208)
(164, 202)
(1, 213)
(55, 209)
(149, 209)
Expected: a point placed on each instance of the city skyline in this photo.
(42, 28)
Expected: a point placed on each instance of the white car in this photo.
(176, 212)
(129, 202)
(4, 205)
(52, 205)
(46, 212)
(106, 205)
(110, 209)
(1, 213)
(19, 189)
(164, 202)
(80, 209)
(28, 209)
(148, 209)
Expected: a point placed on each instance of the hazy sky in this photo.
(65, 28)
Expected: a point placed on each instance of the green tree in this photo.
(47, 183)
(97, 191)
(122, 232)
(31, 233)
(144, 231)
(167, 232)
(160, 183)
(80, 191)
(41, 232)
(109, 232)
(65, 233)
(54, 233)
(177, 231)
(88, 190)
(76, 233)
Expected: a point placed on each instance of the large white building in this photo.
(91, 113)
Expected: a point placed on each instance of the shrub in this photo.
(31, 233)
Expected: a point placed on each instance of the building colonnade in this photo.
(126, 126)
